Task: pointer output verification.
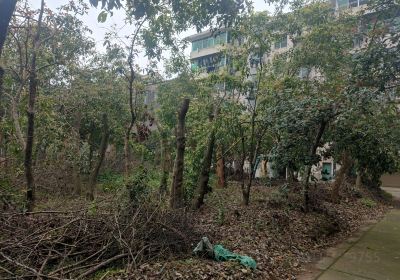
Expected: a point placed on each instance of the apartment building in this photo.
(207, 50)
(207, 55)
(207, 47)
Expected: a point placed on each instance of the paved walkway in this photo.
(373, 253)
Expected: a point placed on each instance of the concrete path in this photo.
(391, 180)
(373, 253)
(393, 191)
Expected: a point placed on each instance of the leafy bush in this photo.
(220, 217)
(10, 196)
(138, 184)
(110, 181)
(154, 178)
(368, 202)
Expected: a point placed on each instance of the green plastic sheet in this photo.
(222, 254)
(219, 253)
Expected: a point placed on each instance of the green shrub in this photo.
(110, 181)
(221, 215)
(368, 202)
(138, 184)
(154, 179)
(10, 196)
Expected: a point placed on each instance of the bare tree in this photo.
(164, 164)
(203, 187)
(307, 172)
(341, 175)
(6, 10)
(133, 96)
(33, 81)
(220, 169)
(102, 152)
(177, 194)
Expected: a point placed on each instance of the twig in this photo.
(82, 261)
(27, 268)
(176, 231)
(104, 275)
(43, 265)
(100, 265)
(6, 270)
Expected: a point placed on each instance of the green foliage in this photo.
(153, 179)
(261, 107)
(9, 195)
(368, 202)
(138, 185)
(221, 213)
(111, 181)
(198, 13)
(198, 125)
(93, 207)
(102, 17)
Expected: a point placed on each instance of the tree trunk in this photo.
(177, 195)
(75, 167)
(253, 150)
(360, 172)
(221, 183)
(242, 160)
(30, 184)
(91, 145)
(307, 172)
(246, 191)
(1, 90)
(132, 105)
(341, 176)
(17, 126)
(291, 178)
(253, 160)
(6, 10)
(203, 187)
(102, 152)
(164, 165)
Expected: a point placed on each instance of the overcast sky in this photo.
(99, 29)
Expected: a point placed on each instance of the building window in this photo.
(342, 3)
(210, 62)
(281, 43)
(353, 3)
(350, 3)
(210, 42)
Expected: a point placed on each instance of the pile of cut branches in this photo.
(75, 245)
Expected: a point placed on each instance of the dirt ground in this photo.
(273, 230)
(65, 234)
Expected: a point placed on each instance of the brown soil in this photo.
(273, 230)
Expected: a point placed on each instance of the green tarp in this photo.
(219, 253)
